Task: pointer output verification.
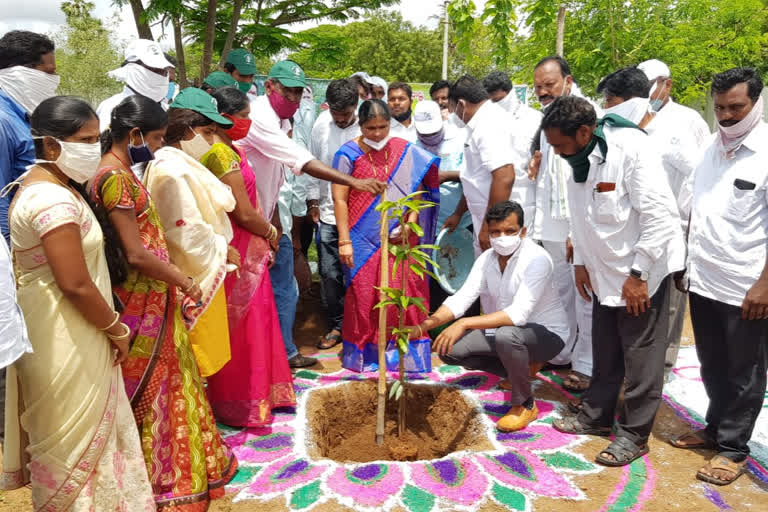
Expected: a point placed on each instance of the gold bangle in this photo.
(111, 325)
(421, 331)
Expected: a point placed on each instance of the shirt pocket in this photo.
(610, 207)
(742, 204)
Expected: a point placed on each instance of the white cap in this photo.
(148, 52)
(654, 69)
(427, 117)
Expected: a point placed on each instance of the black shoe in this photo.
(300, 361)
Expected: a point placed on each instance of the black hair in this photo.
(230, 100)
(371, 109)
(63, 116)
(360, 82)
(229, 67)
(341, 94)
(23, 48)
(625, 83)
(440, 84)
(497, 81)
(565, 69)
(180, 120)
(569, 113)
(135, 111)
(725, 81)
(468, 88)
(403, 86)
(500, 211)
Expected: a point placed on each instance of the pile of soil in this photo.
(341, 422)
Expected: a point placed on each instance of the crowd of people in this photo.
(150, 289)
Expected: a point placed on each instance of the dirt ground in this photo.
(676, 488)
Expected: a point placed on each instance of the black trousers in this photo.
(627, 349)
(734, 357)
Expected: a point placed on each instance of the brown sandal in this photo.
(701, 440)
(576, 381)
(721, 463)
(329, 341)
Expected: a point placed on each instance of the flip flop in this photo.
(576, 381)
(572, 425)
(722, 463)
(704, 441)
(623, 451)
(334, 338)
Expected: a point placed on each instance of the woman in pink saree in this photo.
(257, 377)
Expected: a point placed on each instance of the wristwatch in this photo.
(637, 274)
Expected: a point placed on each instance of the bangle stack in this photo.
(126, 334)
(342, 243)
(271, 233)
(112, 323)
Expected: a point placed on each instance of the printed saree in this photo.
(187, 460)
(257, 378)
(406, 168)
(70, 429)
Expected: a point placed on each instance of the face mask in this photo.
(244, 86)
(403, 117)
(239, 128)
(28, 87)
(459, 121)
(196, 147)
(78, 160)
(506, 245)
(282, 106)
(171, 91)
(140, 153)
(142, 81)
(658, 102)
(432, 140)
(377, 145)
(633, 109)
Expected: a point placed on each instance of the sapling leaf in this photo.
(393, 388)
(404, 301)
(399, 392)
(416, 269)
(416, 228)
(384, 304)
(419, 303)
(402, 345)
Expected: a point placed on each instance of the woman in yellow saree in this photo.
(70, 429)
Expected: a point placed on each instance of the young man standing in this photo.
(399, 100)
(333, 128)
(728, 274)
(524, 325)
(241, 65)
(627, 239)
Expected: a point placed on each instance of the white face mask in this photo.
(459, 121)
(506, 245)
(28, 87)
(78, 160)
(377, 145)
(633, 109)
(142, 81)
(196, 147)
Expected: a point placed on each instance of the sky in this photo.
(45, 16)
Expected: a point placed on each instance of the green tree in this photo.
(84, 54)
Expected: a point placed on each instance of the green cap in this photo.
(200, 101)
(243, 60)
(220, 79)
(288, 73)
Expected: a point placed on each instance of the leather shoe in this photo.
(300, 361)
(517, 418)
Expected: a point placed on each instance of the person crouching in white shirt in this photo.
(627, 239)
(728, 274)
(527, 324)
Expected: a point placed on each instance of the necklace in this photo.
(386, 165)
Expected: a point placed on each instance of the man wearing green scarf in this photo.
(627, 239)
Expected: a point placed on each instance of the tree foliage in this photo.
(696, 38)
(84, 54)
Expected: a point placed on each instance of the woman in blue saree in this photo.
(406, 169)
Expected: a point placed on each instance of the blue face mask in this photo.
(171, 90)
(140, 153)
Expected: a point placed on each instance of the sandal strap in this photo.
(700, 434)
(622, 449)
(725, 464)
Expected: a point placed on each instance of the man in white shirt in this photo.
(492, 157)
(551, 80)
(627, 239)
(268, 148)
(728, 274)
(685, 134)
(626, 93)
(399, 100)
(525, 324)
(439, 92)
(144, 72)
(333, 128)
